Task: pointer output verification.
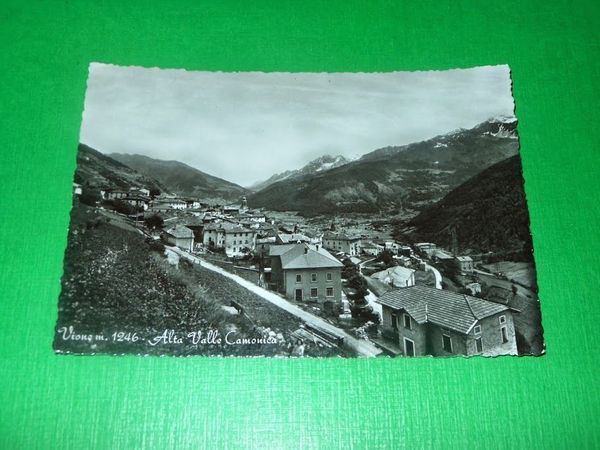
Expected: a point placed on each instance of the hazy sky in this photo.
(246, 126)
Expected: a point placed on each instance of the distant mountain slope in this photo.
(489, 213)
(461, 142)
(97, 169)
(321, 164)
(413, 176)
(182, 179)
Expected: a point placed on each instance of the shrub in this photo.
(157, 246)
(90, 197)
(154, 221)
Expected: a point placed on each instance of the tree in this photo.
(90, 197)
(125, 208)
(387, 258)
(155, 221)
(349, 269)
(358, 282)
(154, 192)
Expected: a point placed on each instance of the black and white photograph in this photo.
(299, 215)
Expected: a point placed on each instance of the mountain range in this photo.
(411, 177)
(414, 175)
(321, 164)
(179, 178)
(99, 170)
(488, 213)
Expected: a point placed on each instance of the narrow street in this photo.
(437, 274)
(361, 346)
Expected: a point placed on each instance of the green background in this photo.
(49, 401)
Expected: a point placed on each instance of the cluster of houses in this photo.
(463, 264)
(306, 266)
(141, 198)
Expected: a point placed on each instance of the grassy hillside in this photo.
(98, 170)
(412, 176)
(182, 179)
(115, 281)
(489, 213)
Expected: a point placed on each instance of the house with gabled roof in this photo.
(180, 236)
(234, 238)
(306, 273)
(396, 276)
(464, 264)
(292, 238)
(341, 242)
(427, 321)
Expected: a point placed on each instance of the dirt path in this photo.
(362, 347)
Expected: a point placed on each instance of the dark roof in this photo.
(293, 238)
(180, 232)
(441, 254)
(371, 245)
(340, 236)
(303, 256)
(447, 309)
(278, 250)
(227, 227)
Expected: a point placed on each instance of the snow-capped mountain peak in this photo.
(321, 164)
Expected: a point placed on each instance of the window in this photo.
(234, 249)
(314, 292)
(502, 319)
(394, 322)
(407, 323)
(447, 343)
(329, 292)
(329, 276)
(246, 241)
(313, 277)
(234, 242)
(298, 278)
(504, 335)
(477, 329)
(479, 345)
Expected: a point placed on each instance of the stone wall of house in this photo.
(321, 284)
(186, 244)
(277, 274)
(435, 341)
(350, 248)
(237, 241)
(214, 236)
(491, 336)
(417, 333)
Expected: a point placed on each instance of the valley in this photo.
(335, 240)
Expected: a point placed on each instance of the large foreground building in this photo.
(306, 273)
(428, 321)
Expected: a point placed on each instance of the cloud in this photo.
(244, 127)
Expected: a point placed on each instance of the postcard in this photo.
(299, 215)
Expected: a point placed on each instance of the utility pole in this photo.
(454, 240)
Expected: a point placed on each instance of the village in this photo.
(348, 283)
